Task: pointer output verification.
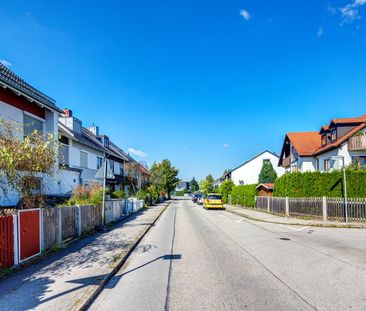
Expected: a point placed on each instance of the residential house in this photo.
(343, 139)
(80, 154)
(24, 104)
(248, 172)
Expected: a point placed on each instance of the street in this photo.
(196, 259)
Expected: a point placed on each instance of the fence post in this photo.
(78, 220)
(15, 236)
(59, 218)
(42, 229)
(268, 209)
(287, 211)
(325, 209)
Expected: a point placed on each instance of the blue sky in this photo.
(207, 84)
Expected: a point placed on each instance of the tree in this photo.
(206, 185)
(164, 177)
(132, 171)
(193, 185)
(267, 173)
(225, 189)
(24, 159)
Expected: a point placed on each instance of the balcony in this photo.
(357, 143)
(286, 162)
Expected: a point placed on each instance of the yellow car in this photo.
(213, 200)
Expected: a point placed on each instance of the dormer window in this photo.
(106, 142)
(324, 139)
(333, 135)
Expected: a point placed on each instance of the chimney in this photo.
(94, 129)
(67, 113)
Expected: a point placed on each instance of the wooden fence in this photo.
(306, 207)
(6, 241)
(60, 224)
(316, 208)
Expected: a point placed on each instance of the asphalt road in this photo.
(195, 259)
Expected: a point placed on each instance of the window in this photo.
(333, 136)
(99, 162)
(31, 125)
(106, 142)
(326, 165)
(324, 139)
(83, 159)
(121, 170)
(111, 164)
(359, 161)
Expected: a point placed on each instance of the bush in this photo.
(84, 195)
(225, 189)
(181, 193)
(118, 194)
(244, 195)
(317, 184)
(154, 193)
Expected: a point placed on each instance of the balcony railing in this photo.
(357, 143)
(286, 162)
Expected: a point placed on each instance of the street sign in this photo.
(109, 173)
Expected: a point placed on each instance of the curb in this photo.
(341, 226)
(120, 264)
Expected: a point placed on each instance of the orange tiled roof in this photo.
(340, 141)
(269, 186)
(349, 120)
(305, 143)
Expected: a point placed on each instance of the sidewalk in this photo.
(270, 218)
(66, 279)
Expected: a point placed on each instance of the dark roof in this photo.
(10, 79)
(81, 138)
(251, 159)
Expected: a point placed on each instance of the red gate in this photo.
(29, 226)
(6, 241)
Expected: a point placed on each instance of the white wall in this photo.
(308, 164)
(249, 172)
(74, 149)
(10, 113)
(67, 180)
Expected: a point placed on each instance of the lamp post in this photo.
(344, 185)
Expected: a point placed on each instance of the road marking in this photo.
(240, 220)
(298, 230)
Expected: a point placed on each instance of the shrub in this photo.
(225, 189)
(118, 194)
(181, 193)
(244, 195)
(85, 195)
(317, 184)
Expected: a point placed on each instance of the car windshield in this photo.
(214, 197)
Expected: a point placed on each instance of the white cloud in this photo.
(350, 12)
(5, 63)
(320, 32)
(245, 14)
(137, 152)
(226, 146)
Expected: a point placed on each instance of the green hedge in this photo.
(244, 195)
(316, 184)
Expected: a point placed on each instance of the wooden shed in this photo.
(265, 190)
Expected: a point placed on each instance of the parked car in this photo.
(201, 198)
(213, 200)
(47, 200)
(195, 197)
